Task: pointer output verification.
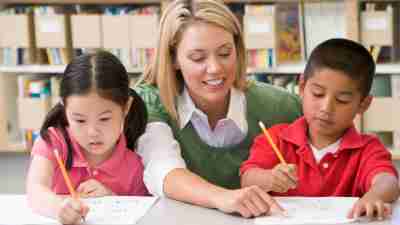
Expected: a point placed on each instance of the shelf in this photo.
(13, 148)
(299, 68)
(54, 69)
(80, 1)
(135, 1)
(395, 154)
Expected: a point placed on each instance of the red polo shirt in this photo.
(348, 172)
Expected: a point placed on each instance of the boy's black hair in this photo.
(104, 73)
(346, 56)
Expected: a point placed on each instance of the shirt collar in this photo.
(297, 134)
(110, 166)
(236, 110)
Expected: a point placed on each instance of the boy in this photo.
(326, 156)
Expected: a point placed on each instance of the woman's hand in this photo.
(72, 211)
(249, 201)
(93, 188)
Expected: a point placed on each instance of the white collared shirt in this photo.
(228, 131)
(320, 153)
(164, 155)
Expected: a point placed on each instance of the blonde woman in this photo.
(203, 112)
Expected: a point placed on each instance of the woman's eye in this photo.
(225, 54)
(104, 119)
(80, 121)
(318, 95)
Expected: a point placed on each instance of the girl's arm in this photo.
(40, 196)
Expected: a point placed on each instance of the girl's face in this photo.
(206, 56)
(95, 122)
(331, 100)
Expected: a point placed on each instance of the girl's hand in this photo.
(72, 211)
(372, 206)
(281, 178)
(93, 188)
(248, 202)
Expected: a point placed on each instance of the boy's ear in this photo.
(302, 85)
(365, 103)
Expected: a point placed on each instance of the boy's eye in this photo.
(342, 101)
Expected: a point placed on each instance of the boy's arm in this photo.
(385, 187)
(263, 167)
(374, 204)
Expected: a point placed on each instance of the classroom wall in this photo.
(13, 167)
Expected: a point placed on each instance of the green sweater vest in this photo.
(220, 166)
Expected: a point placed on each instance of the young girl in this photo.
(94, 127)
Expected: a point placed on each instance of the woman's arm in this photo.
(166, 174)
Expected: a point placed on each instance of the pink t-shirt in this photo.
(122, 172)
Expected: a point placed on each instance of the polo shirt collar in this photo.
(296, 133)
(110, 166)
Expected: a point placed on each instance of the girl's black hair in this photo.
(104, 73)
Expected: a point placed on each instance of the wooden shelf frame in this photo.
(61, 2)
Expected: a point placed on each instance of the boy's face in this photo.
(331, 100)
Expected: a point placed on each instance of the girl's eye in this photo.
(104, 119)
(80, 121)
(197, 59)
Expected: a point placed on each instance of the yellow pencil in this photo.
(271, 142)
(66, 177)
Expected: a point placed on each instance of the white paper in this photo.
(105, 210)
(309, 210)
(118, 210)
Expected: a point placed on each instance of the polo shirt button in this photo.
(325, 165)
(95, 172)
(335, 155)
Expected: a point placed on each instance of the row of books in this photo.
(59, 33)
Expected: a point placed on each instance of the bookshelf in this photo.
(352, 10)
(47, 69)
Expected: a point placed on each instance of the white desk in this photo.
(170, 212)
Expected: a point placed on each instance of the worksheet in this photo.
(310, 210)
(105, 210)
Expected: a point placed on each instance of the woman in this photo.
(203, 112)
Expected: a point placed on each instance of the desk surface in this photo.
(170, 212)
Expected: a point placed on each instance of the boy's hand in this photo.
(72, 211)
(93, 188)
(282, 178)
(372, 206)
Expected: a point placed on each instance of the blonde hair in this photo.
(177, 16)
